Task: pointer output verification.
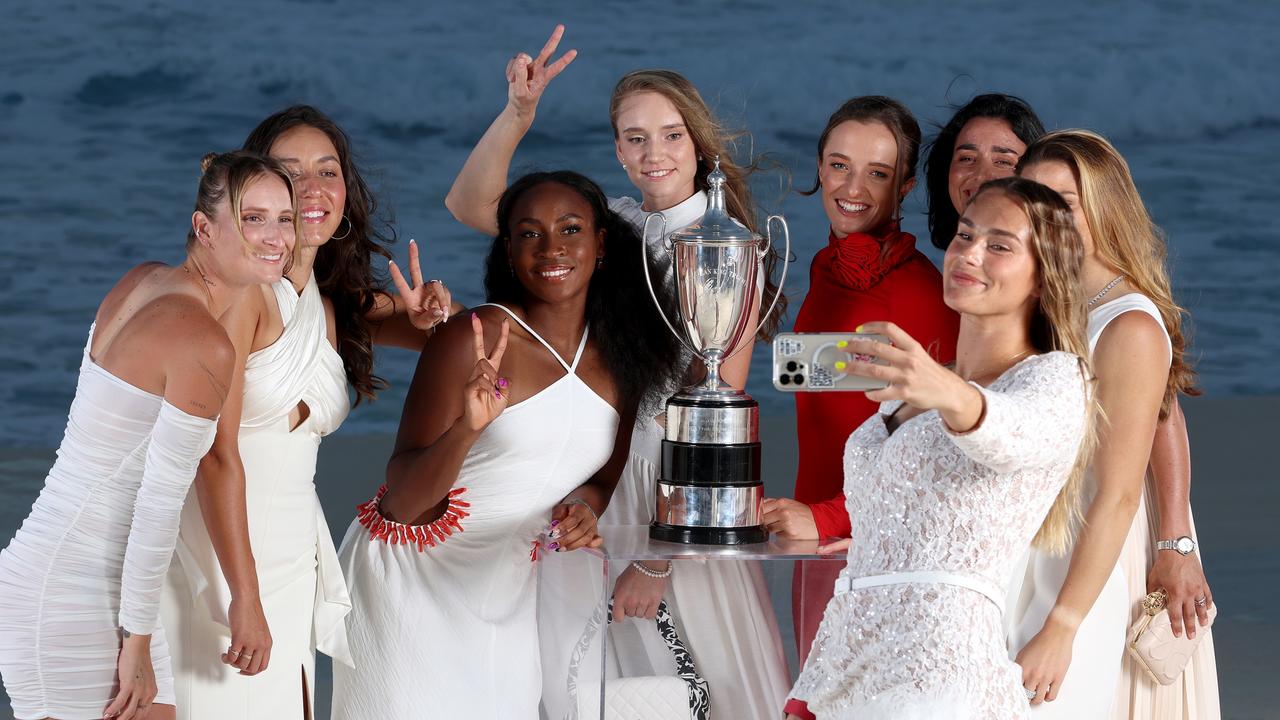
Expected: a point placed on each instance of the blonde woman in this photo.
(959, 471)
(667, 141)
(1082, 604)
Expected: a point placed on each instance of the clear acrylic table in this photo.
(575, 588)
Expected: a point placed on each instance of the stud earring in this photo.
(599, 262)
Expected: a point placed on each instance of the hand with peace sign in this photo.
(486, 393)
(527, 77)
(914, 377)
(427, 304)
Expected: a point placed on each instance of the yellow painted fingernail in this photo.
(858, 329)
(842, 344)
(840, 364)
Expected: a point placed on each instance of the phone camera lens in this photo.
(798, 379)
(792, 366)
(784, 379)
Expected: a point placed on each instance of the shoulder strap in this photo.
(581, 344)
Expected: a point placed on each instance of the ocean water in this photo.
(106, 108)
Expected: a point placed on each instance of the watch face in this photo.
(1185, 545)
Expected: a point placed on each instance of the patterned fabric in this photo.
(926, 499)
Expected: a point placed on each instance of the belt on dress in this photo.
(845, 584)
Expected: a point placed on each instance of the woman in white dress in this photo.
(667, 141)
(504, 438)
(256, 588)
(1072, 613)
(80, 582)
(958, 472)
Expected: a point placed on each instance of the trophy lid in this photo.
(716, 225)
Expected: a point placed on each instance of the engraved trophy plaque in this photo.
(709, 488)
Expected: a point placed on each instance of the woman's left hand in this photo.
(427, 304)
(913, 375)
(573, 526)
(1045, 661)
(1182, 578)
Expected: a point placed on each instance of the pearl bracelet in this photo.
(640, 568)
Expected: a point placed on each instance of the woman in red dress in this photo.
(870, 270)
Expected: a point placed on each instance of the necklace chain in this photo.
(1111, 285)
(204, 281)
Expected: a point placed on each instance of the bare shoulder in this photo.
(118, 295)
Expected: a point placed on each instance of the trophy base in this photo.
(707, 535)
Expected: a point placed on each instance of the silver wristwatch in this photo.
(1184, 545)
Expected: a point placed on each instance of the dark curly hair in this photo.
(641, 353)
(937, 162)
(343, 266)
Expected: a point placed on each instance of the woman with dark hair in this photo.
(870, 270)
(256, 588)
(958, 472)
(667, 140)
(80, 583)
(516, 425)
(982, 141)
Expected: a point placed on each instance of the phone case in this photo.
(807, 362)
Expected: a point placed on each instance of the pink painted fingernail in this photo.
(555, 523)
(497, 394)
(502, 382)
(473, 316)
(554, 546)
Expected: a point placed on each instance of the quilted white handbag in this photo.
(682, 696)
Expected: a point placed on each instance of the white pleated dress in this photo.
(299, 579)
(721, 608)
(442, 623)
(1100, 678)
(914, 630)
(91, 556)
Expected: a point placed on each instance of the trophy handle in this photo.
(648, 279)
(782, 279)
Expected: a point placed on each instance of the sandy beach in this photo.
(1233, 492)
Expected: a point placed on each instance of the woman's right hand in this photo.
(527, 77)
(789, 519)
(250, 648)
(486, 394)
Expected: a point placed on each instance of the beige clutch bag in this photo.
(1153, 644)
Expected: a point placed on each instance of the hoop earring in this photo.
(345, 234)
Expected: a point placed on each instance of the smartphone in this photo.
(817, 362)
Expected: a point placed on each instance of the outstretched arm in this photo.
(473, 199)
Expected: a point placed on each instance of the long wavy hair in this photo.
(1058, 323)
(638, 348)
(897, 119)
(344, 265)
(937, 162)
(710, 139)
(1124, 236)
(228, 176)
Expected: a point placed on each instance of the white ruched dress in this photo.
(914, 631)
(721, 608)
(91, 556)
(1099, 678)
(300, 582)
(442, 623)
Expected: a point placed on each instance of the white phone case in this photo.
(809, 362)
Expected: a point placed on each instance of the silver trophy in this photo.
(709, 488)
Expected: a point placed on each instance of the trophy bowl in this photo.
(709, 489)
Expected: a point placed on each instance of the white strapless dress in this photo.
(91, 555)
(300, 582)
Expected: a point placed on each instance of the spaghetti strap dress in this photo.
(91, 556)
(443, 619)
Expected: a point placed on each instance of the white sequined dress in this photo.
(914, 630)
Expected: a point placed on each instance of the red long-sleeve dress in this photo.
(855, 279)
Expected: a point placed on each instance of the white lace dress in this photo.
(914, 630)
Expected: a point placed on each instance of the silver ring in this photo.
(1200, 601)
(1031, 694)
(434, 281)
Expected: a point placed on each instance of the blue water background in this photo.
(106, 109)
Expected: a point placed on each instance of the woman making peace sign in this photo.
(516, 424)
